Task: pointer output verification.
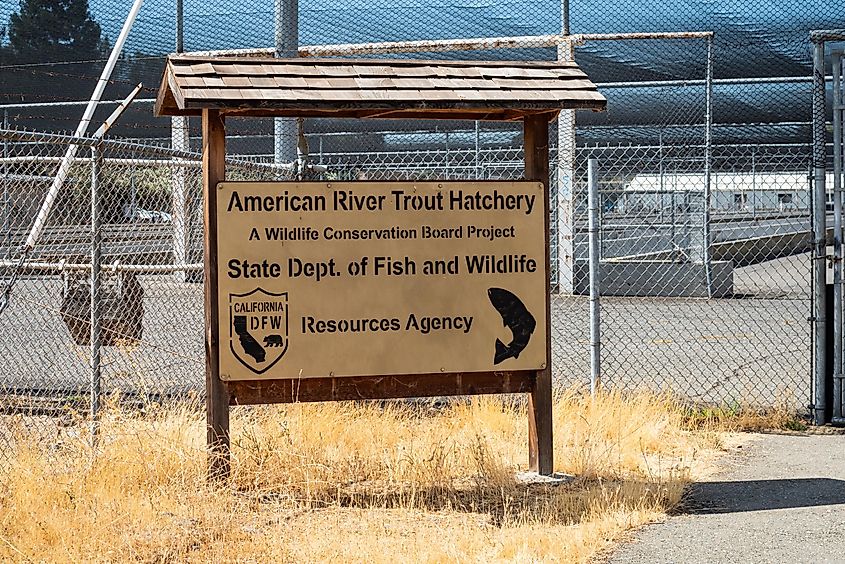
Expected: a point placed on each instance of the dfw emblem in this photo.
(258, 328)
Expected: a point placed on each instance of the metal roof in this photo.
(373, 88)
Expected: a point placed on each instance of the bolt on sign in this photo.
(380, 278)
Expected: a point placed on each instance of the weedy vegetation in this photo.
(737, 417)
(346, 481)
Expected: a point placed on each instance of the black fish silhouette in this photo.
(252, 347)
(517, 318)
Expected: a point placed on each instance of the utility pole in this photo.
(285, 130)
(180, 141)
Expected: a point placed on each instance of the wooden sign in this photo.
(380, 278)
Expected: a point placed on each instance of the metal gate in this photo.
(828, 311)
(838, 72)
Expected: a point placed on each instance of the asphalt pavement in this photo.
(779, 499)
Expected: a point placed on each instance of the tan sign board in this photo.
(380, 278)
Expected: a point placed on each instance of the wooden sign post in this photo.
(216, 394)
(540, 445)
(292, 314)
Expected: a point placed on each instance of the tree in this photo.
(55, 31)
(4, 48)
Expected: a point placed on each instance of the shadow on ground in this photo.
(504, 504)
(761, 495)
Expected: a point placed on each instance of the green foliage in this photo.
(55, 30)
(151, 185)
(734, 416)
(795, 425)
(699, 416)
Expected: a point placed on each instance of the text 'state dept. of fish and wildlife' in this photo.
(380, 278)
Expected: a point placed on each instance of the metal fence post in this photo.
(708, 164)
(661, 186)
(477, 149)
(819, 235)
(7, 227)
(96, 250)
(754, 183)
(593, 200)
(180, 26)
(447, 163)
(837, 239)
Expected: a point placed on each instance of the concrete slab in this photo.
(657, 279)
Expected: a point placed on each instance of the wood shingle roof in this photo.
(374, 88)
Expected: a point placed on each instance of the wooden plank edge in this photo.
(256, 392)
(242, 107)
(165, 100)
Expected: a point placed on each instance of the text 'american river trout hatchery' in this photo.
(323, 279)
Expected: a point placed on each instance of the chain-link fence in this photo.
(704, 157)
(150, 306)
(705, 231)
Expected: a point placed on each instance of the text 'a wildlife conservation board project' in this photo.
(380, 278)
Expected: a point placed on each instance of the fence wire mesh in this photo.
(704, 232)
(705, 196)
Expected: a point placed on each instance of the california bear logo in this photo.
(258, 328)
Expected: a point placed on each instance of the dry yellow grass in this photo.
(343, 482)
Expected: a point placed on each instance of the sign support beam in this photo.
(216, 391)
(540, 444)
(260, 392)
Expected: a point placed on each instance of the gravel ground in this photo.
(779, 500)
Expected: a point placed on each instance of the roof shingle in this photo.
(392, 88)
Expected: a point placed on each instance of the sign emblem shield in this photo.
(258, 328)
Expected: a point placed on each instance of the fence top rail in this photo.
(447, 45)
(22, 135)
(624, 84)
(822, 35)
(64, 266)
(26, 105)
